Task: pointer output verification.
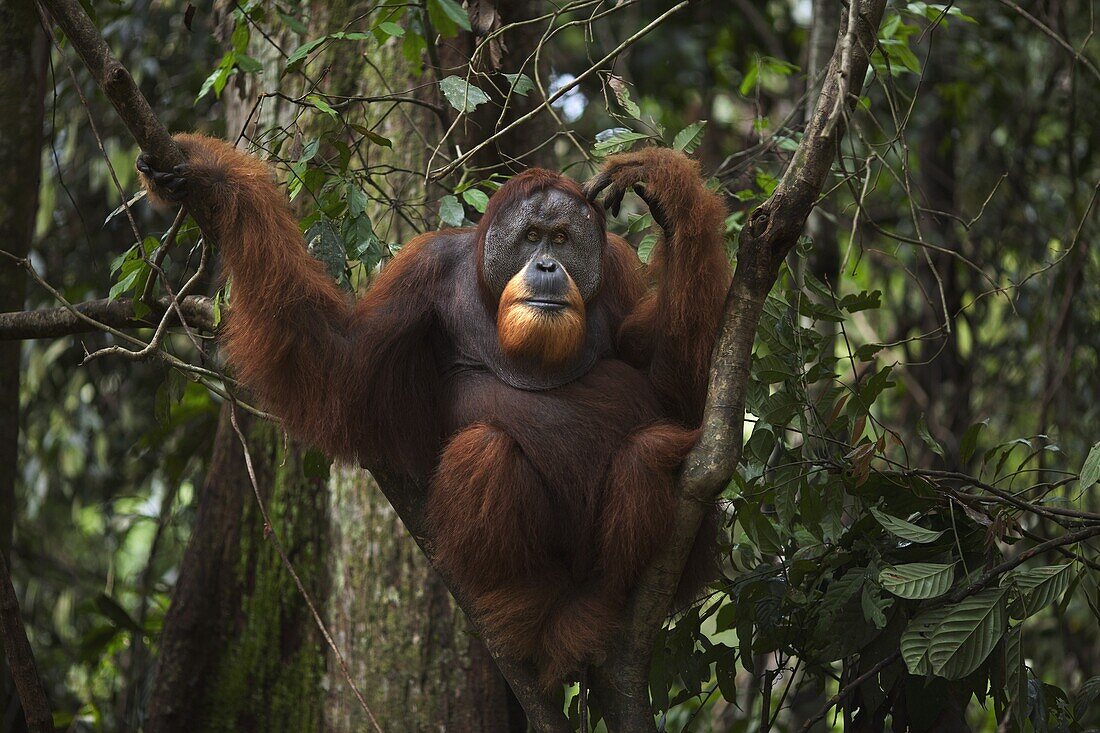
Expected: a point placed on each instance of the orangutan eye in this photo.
(559, 238)
(532, 235)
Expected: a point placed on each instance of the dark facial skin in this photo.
(550, 226)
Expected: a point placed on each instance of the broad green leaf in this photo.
(645, 247)
(967, 634)
(462, 95)
(520, 84)
(1040, 587)
(918, 580)
(476, 198)
(617, 140)
(1084, 698)
(451, 212)
(917, 638)
(906, 530)
(1090, 471)
(689, 138)
(391, 29)
(249, 65)
(293, 24)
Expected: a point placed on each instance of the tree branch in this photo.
(771, 232)
(56, 322)
(17, 651)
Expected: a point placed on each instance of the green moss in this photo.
(270, 676)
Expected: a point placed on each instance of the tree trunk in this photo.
(23, 54)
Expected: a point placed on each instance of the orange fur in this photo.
(544, 506)
(552, 338)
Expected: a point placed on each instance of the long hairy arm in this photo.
(676, 323)
(292, 336)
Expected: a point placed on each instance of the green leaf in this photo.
(448, 16)
(645, 247)
(875, 606)
(391, 29)
(918, 580)
(293, 23)
(1084, 698)
(906, 530)
(969, 442)
(325, 244)
(322, 105)
(299, 54)
(476, 198)
(451, 212)
(1040, 587)
(967, 634)
(917, 638)
(249, 65)
(689, 138)
(462, 95)
(1090, 471)
(922, 431)
(357, 200)
(520, 84)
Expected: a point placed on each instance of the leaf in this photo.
(616, 140)
(325, 244)
(357, 200)
(875, 606)
(622, 94)
(689, 138)
(967, 634)
(1089, 692)
(462, 95)
(906, 530)
(448, 16)
(917, 638)
(1090, 471)
(918, 580)
(451, 211)
(322, 105)
(1040, 587)
(520, 84)
(299, 54)
(922, 431)
(249, 65)
(476, 198)
(645, 247)
(391, 29)
(293, 23)
(969, 442)
(116, 614)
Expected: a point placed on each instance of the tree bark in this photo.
(239, 650)
(23, 55)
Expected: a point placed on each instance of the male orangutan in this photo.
(546, 382)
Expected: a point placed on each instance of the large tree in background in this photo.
(23, 55)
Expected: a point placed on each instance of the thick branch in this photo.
(116, 82)
(771, 232)
(119, 314)
(17, 650)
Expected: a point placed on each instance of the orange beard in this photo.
(527, 332)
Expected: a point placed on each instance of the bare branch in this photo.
(198, 310)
